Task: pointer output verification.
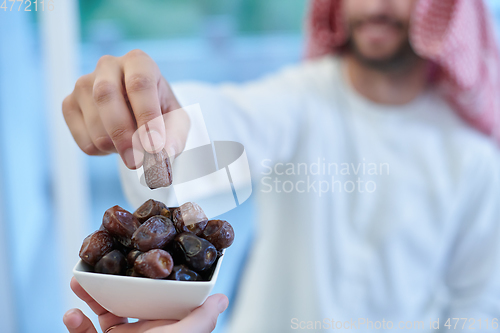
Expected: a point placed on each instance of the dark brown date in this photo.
(121, 224)
(197, 252)
(151, 208)
(207, 275)
(95, 246)
(132, 272)
(132, 255)
(157, 169)
(220, 233)
(122, 248)
(112, 263)
(155, 233)
(149, 242)
(176, 254)
(182, 273)
(156, 264)
(190, 218)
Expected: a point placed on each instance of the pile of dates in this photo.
(159, 242)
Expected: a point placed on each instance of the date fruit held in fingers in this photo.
(157, 169)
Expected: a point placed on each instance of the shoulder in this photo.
(475, 150)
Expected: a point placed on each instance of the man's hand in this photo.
(202, 320)
(119, 108)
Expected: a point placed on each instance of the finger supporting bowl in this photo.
(144, 298)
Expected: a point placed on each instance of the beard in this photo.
(402, 58)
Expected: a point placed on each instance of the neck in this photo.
(392, 87)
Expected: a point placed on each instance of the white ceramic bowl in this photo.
(144, 298)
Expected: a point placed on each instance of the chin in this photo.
(377, 55)
(378, 51)
(381, 55)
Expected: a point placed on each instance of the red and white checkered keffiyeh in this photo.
(457, 35)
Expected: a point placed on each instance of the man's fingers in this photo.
(137, 150)
(144, 326)
(117, 119)
(106, 319)
(177, 125)
(76, 124)
(82, 294)
(77, 322)
(119, 107)
(93, 123)
(203, 319)
(177, 122)
(141, 76)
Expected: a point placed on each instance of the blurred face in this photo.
(379, 31)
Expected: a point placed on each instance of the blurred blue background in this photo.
(209, 40)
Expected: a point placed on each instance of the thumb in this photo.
(177, 125)
(77, 322)
(204, 318)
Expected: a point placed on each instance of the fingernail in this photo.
(71, 319)
(133, 157)
(222, 306)
(154, 142)
(171, 152)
